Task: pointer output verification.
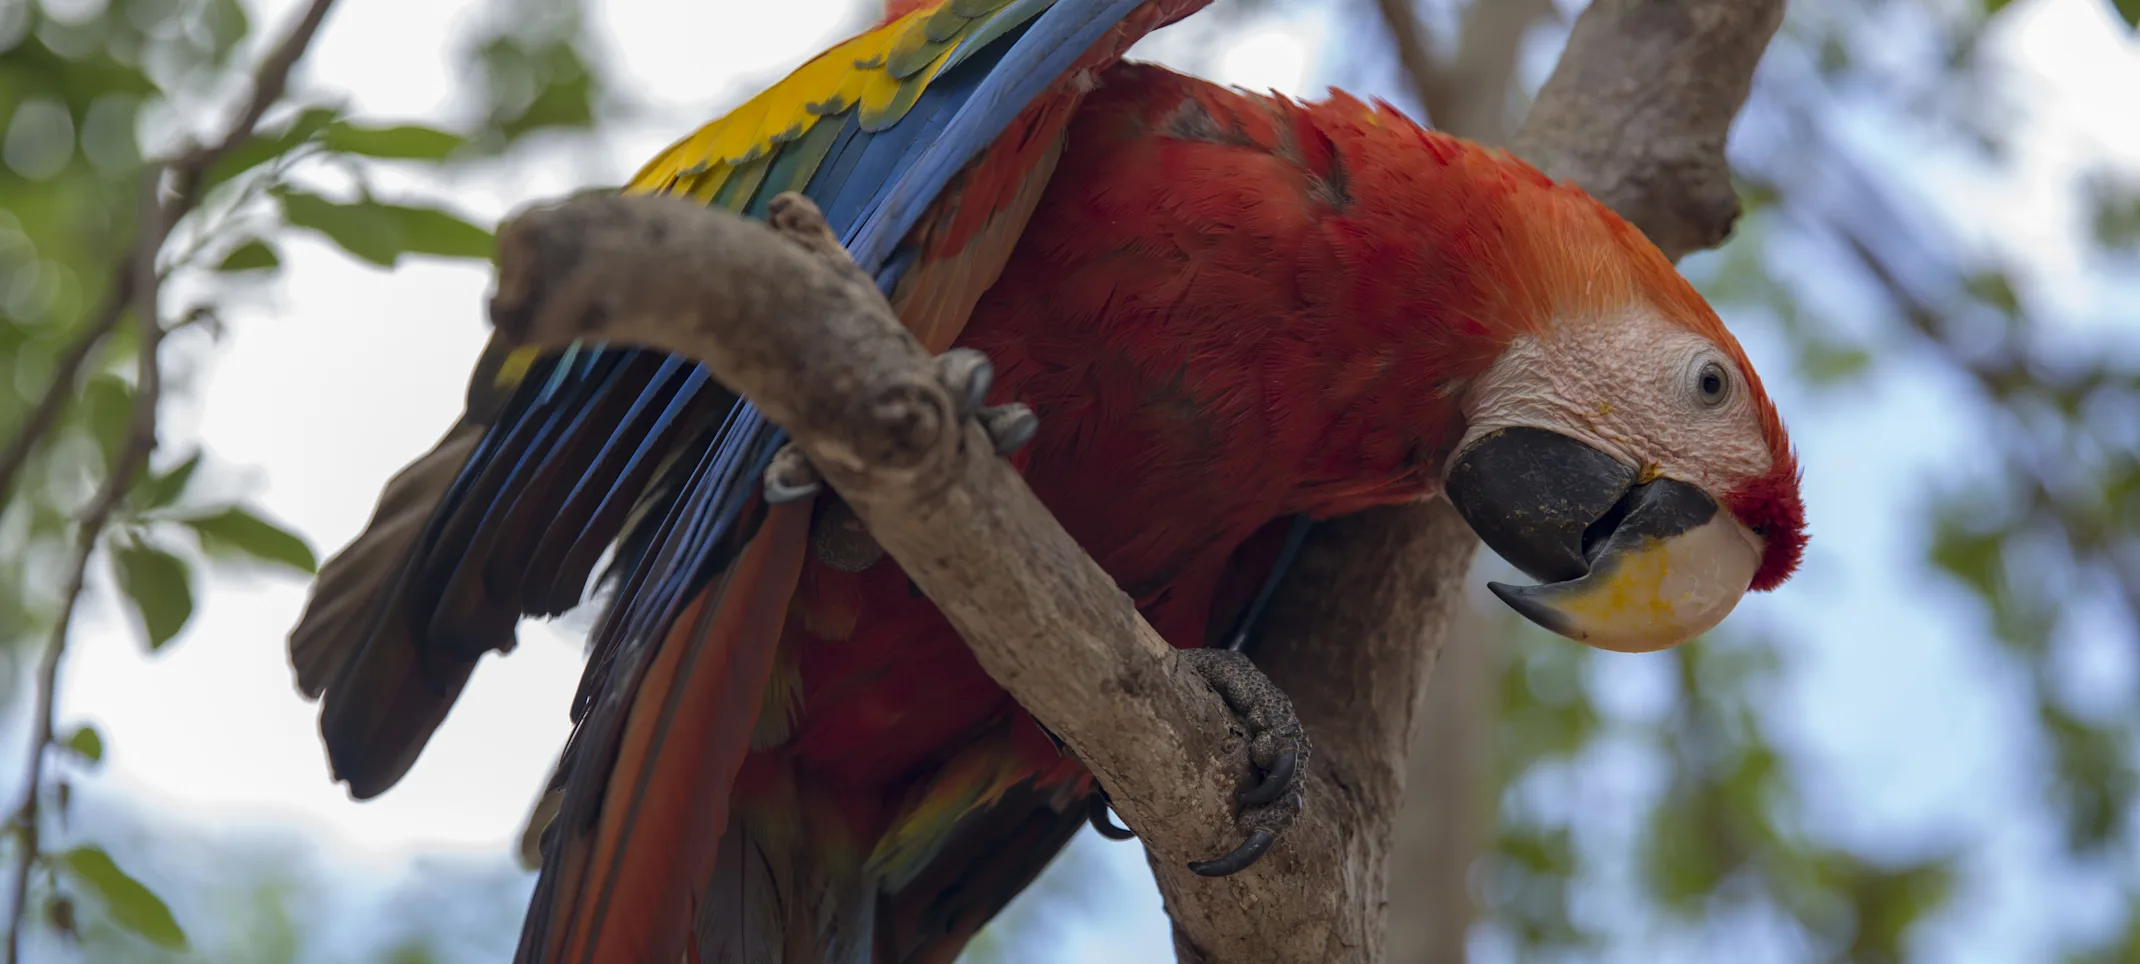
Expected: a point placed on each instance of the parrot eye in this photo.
(1712, 384)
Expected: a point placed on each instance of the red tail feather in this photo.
(624, 885)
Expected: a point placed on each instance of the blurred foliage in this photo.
(1044, 915)
(533, 71)
(254, 897)
(91, 95)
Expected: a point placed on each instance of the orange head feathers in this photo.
(1609, 414)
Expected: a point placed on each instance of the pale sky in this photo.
(341, 373)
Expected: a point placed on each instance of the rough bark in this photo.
(777, 313)
(1446, 822)
(1640, 104)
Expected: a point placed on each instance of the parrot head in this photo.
(1620, 448)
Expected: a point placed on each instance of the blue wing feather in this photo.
(592, 537)
(1040, 54)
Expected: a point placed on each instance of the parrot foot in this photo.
(841, 540)
(1278, 746)
(968, 375)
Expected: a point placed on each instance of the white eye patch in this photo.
(1636, 386)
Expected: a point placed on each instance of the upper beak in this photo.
(1628, 565)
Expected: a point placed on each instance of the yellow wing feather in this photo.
(725, 162)
(881, 73)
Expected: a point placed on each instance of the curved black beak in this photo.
(1531, 494)
(1626, 564)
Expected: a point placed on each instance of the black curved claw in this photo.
(1250, 851)
(1276, 780)
(1096, 814)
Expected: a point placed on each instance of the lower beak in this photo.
(1626, 565)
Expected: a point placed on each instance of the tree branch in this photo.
(1409, 36)
(778, 313)
(1469, 96)
(1639, 106)
(135, 284)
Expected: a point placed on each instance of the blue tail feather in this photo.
(457, 565)
(696, 395)
(596, 489)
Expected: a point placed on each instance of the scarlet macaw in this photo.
(1227, 310)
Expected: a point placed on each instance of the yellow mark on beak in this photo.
(1633, 594)
(1649, 595)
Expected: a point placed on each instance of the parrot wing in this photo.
(558, 456)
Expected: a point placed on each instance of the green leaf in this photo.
(239, 530)
(227, 25)
(108, 406)
(369, 231)
(160, 587)
(1973, 557)
(534, 83)
(1822, 363)
(261, 148)
(164, 489)
(2117, 213)
(382, 233)
(250, 256)
(131, 904)
(405, 141)
(1993, 288)
(435, 232)
(87, 743)
(2129, 11)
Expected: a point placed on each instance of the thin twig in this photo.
(1469, 94)
(269, 81)
(61, 390)
(135, 283)
(132, 455)
(186, 173)
(1410, 38)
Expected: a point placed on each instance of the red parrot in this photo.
(1228, 312)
